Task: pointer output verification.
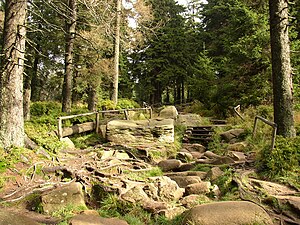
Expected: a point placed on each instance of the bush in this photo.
(125, 103)
(45, 108)
(283, 160)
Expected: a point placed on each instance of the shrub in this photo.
(125, 103)
(283, 160)
(45, 108)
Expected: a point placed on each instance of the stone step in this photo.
(200, 135)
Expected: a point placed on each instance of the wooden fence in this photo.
(89, 126)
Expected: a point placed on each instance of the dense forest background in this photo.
(217, 52)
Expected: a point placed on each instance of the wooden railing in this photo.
(90, 126)
(273, 125)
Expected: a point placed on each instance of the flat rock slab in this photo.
(11, 218)
(129, 131)
(227, 213)
(64, 196)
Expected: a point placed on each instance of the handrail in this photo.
(238, 107)
(125, 111)
(272, 124)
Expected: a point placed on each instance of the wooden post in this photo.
(97, 122)
(59, 128)
(126, 114)
(150, 109)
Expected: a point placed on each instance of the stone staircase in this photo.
(202, 134)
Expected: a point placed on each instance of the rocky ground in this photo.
(201, 186)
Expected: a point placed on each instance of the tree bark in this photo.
(11, 76)
(26, 97)
(281, 68)
(69, 67)
(117, 53)
(92, 99)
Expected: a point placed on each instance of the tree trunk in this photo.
(26, 97)
(69, 67)
(11, 76)
(35, 81)
(281, 68)
(182, 91)
(92, 99)
(117, 53)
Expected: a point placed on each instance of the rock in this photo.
(11, 218)
(191, 201)
(223, 160)
(186, 166)
(168, 190)
(216, 191)
(198, 188)
(91, 217)
(184, 181)
(129, 131)
(194, 147)
(237, 156)
(293, 202)
(68, 143)
(154, 206)
(157, 189)
(271, 188)
(214, 173)
(64, 196)
(136, 194)
(114, 154)
(211, 155)
(184, 156)
(102, 131)
(169, 112)
(169, 164)
(200, 174)
(189, 120)
(227, 213)
(173, 212)
(196, 155)
(237, 147)
(232, 135)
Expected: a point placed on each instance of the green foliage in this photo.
(45, 108)
(106, 104)
(283, 160)
(67, 213)
(43, 134)
(10, 157)
(134, 214)
(125, 103)
(143, 175)
(84, 141)
(112, 206)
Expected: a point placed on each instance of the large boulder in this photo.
(62, 197)
(227, 213)
(128, 131)
(169, 112)
(11, 218)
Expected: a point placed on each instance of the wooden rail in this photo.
(97, 114)
(273, 125)
(236, 110)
